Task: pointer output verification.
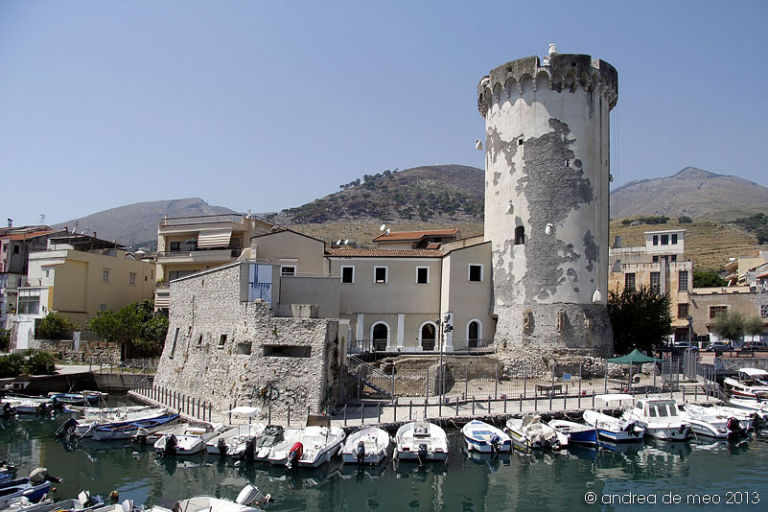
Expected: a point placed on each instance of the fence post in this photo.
(525, 384)
(521, 403)
(440, 406)
(394, 410)
(605, 384)
(426, 403)
(683, 387)
(362, 413)
(578, 403)
(289, 415)
(489, 404)
(269, 413)
(466, 381)
(410, 410)
(426, 385)
(505, 403)
(379, 412)
(593, 398)
(696, 390)
(496, 383)
(535, 402)
(345, 415)
(473, 405)
(457, 406)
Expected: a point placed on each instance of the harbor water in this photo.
(684, 476)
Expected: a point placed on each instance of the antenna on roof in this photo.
(42, 219)
(382, 227)
(346, 241)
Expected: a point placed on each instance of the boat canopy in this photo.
(754, 372)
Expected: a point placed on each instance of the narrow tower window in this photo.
(519, 235)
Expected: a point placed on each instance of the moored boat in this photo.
(189, 442)
(529, 432)
(128, 429)
(484, 438)
(749, 384)
(233, 441)
(319, 443)
(614, 430)
(576, 432)
(422, 441)
(369, 445)
(660, 417)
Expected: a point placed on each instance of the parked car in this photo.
(754, 345)
(684, 345)
(719, 346)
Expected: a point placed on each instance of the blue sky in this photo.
(264, 105)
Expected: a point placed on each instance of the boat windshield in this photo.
(268, 440)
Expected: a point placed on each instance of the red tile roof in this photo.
(27, 236)
(385, 253)
(414, 235)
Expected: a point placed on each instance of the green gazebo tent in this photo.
(634, 357)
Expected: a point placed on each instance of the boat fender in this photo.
(360, 452)
(495, 443)
(297, 450)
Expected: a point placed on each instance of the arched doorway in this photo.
(380, 336)
(428, 336)
(474, 333)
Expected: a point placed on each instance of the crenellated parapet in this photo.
(560, 72)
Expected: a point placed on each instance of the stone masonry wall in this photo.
(231, 352)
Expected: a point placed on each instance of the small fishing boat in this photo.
(84, 502)
(84, 428)
(234, 441)
(529, 432)
(484, 438)
(614, 430)
(746, 417)
(189, 442)
(369, 445)
(576, 433)
(24, 404)
(128, 429)
(758, 408)
(7, 470)
(660, 417)
(706, 422)
(749, 384)
(250, 499)
(33, 488)
(83, 398)
(319, 443)
(422, 441)
(261, 447)
(287, 449)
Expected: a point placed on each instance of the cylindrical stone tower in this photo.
(547, 175)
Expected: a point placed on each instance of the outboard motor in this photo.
(360, 452)
(170, 445)
(251, 495)
(495, 443)
(40, 475)
(8, 410)
(734, 428)
(422, 452)
(249, 454)
(297, 450)
(66, 428)
(222, 445)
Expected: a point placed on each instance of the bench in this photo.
(548, 390)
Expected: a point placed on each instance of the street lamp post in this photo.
(443, 326)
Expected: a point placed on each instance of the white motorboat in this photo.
(615, 430)
(661, 419)
(287, 449)
(529, 432)
(191, 441)
(577, 433)
(262, 446)
(29, 404)
(756, 407)
(250, 499)
(484, 438)
(707, 422)
(369, 445)
(319, 444)
(749, 384)
(421, 440)
(234, 441)
(745, 416)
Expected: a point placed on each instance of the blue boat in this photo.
(128, 429)
(484, 438)
(23, 488)
(576, 432)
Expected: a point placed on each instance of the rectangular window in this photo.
(674, 239)
(348, 275)
(475, 273)
(105, 275)
(29, 304)
(15, 249)
(764, 311)
(222, 340)
(132, 278)
(655, 281)
(287, 351)
(716, 310)
(380, 275)
(629, 281)
(287, 270)
(655, 259)
(682, 280)
(243, 349)
(673, 258)
(664, 239)
(682, 311)
(47, 272)
(175, 246)
(655, 239)
(422, 275)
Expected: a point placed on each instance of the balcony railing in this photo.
(202, 219)
(233, 252)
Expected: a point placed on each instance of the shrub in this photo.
(5, 340)
(39, 362)
(54, 327)
(11, 365)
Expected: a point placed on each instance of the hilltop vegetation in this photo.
(756, 225)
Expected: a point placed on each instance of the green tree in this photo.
(728, 325)
(5, 340)
(54, 327)
(753, 326)
(39, 362)
(707, 279)
(11, 364)
(640, 319)
(135, 327)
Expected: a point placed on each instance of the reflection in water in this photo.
(468, 481)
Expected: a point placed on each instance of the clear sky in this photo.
(264, 105)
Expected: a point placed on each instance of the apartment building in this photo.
(187, 245)
(660, 265)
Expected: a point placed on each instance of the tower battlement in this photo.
(560, 72)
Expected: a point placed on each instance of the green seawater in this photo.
(680, 476)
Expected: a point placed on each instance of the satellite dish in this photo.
(346, 241)
(388, 230)
(338, 242)
(382, 227)
(478, 145)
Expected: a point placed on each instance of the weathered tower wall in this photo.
(547, 200)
